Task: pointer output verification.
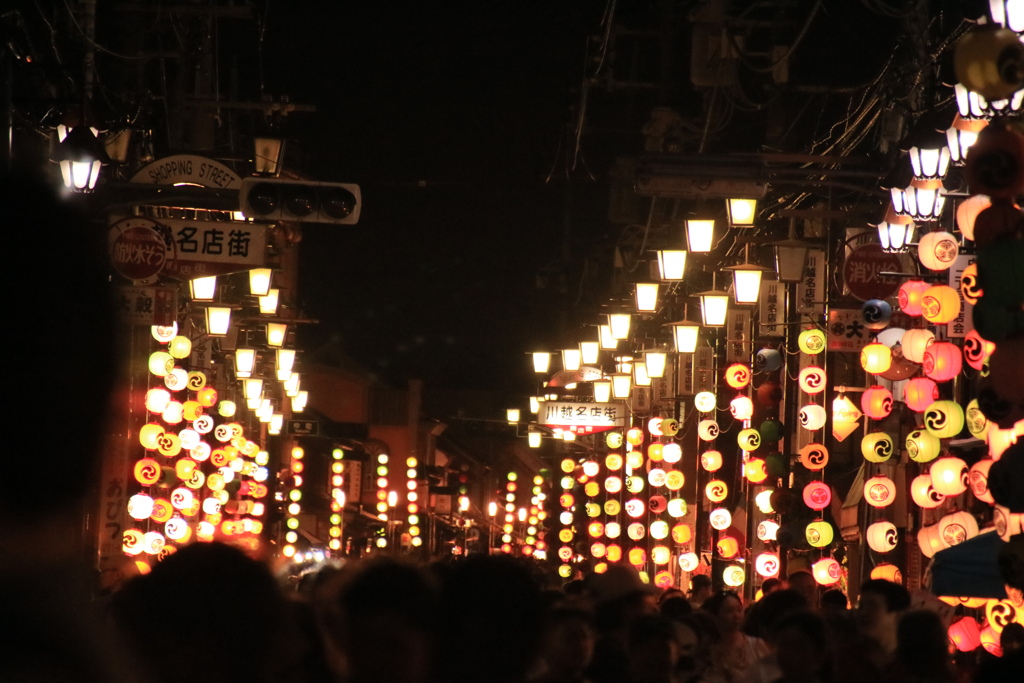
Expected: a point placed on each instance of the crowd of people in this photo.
(211, 613)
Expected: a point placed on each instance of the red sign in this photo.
(138, 250)
(863, 270)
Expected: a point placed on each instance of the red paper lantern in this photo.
(876, 402)
(817, 495)
(977, 349)
(910, 295)
(920, 393)
(965, 634)
(942, 361)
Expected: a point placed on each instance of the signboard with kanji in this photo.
(583, 418)
(203, 248)
(738, 346)
(771, 309)
(810, 291)
(303, 427)
(963, 323)
(862, 272)
(846, 330)
(703, 369)
(147, 306)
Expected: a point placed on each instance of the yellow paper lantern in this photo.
(819, 534)
(923, 446)
(887, 572)
(160, 363)
(716, 490)
(749, 439)
(707, 430)
(876, 358)
(755, 470)
(876, 402)
(635, 436)
(149, 436)
(812, 342)
(728, 547)
(940, 304)
(957, 527)
(944, 419)
(877, 447)
(734, 576)
(711, 461)
(737, 375)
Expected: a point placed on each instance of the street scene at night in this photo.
(582, 341)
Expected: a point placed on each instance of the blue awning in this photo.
(970, 569)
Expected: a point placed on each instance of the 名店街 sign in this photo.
(583, 418)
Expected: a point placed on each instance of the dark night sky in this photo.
(472, 99)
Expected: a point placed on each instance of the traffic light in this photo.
(273, 199)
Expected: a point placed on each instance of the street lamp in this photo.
(269, 153)
(590, 352)
(895, 236)
(276, 333)
(245, 361)
(700, 233)
(671, 263)
(541, 361)
(268, 303)
(646, 297)
(714, 305)
(655, 360)
(80, 156)
(790, 257)
(742, 212)
(618, 324)
(203, 288)
(218, 320)
(259, 281)
(685, 334)
(571, 359)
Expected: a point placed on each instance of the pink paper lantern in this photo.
(942, 361)
(920, 393)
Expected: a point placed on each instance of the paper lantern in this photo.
(826, 571)
(755, 470)
(768, 360)
(957, 527)
(812, 417)
(812, 379)
(716, 490)
(944, 419)
(977, 479)
(1008, 524)
(654, 426)
(737, 375)
(814, 456)
(157, 400)
(879, 491)
(812, 342)
(741, 407)
(669, 426)
(977, 423)
(915, 342)
(882, 537)
(875, 314)
(763, 500)
(923, 446)
(949, 476)
(769, 394)
(937, 250)
(876, 358)
(672, 452)
(942, 361)
(819, 534)
(923, 493)
(970, 289)
(613, 440)
(940, 304)
(817, 495)
(767, 565)
(705, 401)
(688, 561)
(877, 447)
(659, 530)
(909, 296)
(660, 555)
(977, 350)
(965, 634)
(734, 576)
(919, 393)
(720, 519)
(887, 572)
(929, 540)
(876, 402)
(637, 556)
(656, 477)
(160, 363)
(990, 640)
(635, 436)
(711, 461)
(767, 529)
(613, 484)
(770, 430)
(654, 452)
(682, 533)
(728, 547)
(749, 439)
(707, 430)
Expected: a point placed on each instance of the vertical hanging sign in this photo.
(703, 369)
(964, 322)
(810, 291)
(771, 309)
(738, 346)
